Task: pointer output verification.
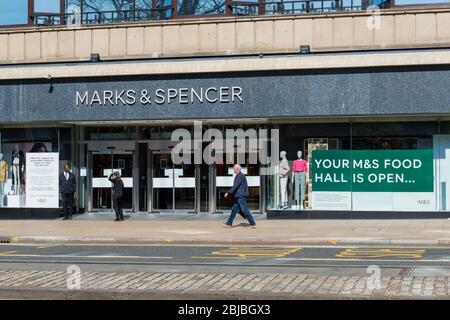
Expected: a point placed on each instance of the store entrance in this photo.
(103, 163)
(174, 187)
(224, 179)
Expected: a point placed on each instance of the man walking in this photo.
(117, 194)
(67, 187)
(240, 191)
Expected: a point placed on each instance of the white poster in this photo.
(42, 187)
(332, 200)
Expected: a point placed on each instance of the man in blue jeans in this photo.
(240, 191)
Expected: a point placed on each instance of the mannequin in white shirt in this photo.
(18, 168)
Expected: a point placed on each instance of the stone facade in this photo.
(227, 36)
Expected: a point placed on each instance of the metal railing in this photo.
(234, 8)
(103, 17)
(305, 6)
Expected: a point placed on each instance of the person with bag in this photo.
(117, 194)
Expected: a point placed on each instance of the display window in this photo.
(290, 187)
(361, 166)
(30, 162)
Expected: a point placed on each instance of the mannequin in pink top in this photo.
(299, 179)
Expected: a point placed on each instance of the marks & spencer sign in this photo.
(211, 95)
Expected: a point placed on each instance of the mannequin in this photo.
(284, 170)
(4, 167)
(18, 167)
(299, 179)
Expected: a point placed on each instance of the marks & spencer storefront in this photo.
(336, 143)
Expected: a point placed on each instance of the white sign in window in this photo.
(42, 176)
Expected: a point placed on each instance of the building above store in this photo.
(221, 35)
(87, 12)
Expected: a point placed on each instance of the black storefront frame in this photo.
(408, 107)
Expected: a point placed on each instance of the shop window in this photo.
(385, 166)
(289, 187)
(30, 162)
(397, 169)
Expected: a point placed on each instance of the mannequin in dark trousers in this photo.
(117, 194)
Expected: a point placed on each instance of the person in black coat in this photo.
(67, 187)
(117, 194)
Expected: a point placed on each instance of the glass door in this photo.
(173, 184)
(102, 166)
(224, 181)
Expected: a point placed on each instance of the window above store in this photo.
(420, 2)
(200, 7)
(62, 12)
(67, 12)
(13, 12)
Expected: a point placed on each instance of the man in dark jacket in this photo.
(117, 194)
(67, 187)
(240, 191)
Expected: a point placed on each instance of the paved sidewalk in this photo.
(287, 232)
(144, 285)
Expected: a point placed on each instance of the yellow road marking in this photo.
(217, 257)
(363, 253)
(252, 252)
(11, 254)
(7, 252)
(48, 246)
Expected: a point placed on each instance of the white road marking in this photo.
(350, 259)
(5, 254)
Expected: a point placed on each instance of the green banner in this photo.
(372, 170)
